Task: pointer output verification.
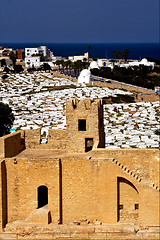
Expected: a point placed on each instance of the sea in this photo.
(97, 50)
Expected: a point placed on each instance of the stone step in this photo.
(41, 216)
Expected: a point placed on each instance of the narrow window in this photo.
(120, 206)
(136, 206)
(82, 125)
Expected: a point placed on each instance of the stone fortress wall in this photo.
(82, 182)
(70, 139)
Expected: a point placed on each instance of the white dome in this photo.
(93, 64)
(100, 63)
(144, 61)
(84, 76)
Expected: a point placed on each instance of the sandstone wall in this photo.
(2, 150)
(32, 138)
(23, 180)
(58, 139)
(11, 144)
(84, 110)
(143, 162)
(80, 190)
(3, 195)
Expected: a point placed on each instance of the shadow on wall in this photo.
(128, 201)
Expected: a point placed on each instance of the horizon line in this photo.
(80, 42)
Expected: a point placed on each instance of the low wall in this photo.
(11, 145)
(58, 139)
(32, 138)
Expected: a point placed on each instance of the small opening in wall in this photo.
(82, 125)
(136, 206)
(120, 206)
(88, 144)
(42, 196)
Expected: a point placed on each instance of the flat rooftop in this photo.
(48, 154)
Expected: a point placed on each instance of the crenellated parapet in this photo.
(84, 128)
(84, 124)
(86, 104)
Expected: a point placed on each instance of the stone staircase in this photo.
(136, 177)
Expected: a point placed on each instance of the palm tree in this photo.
(89, 50)
(125, 54)
(85, 63)
(74, 67)
(69, 63)
(62, 64)
(79, 65)
(58, 63)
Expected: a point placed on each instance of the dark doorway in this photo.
(42, 196)
(88, 144)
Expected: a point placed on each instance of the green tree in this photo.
(58, 63)
(69, 64)
(117, 54)
(6, 119)
(12, 57)
(46, 67)
(79, 65)
(74, 67)
(125, 54)
(62, 64)
(85, 63)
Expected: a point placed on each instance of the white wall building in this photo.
(85, 76)
(93, 64)
(144, 62)
(32, 61)
(42, 50)
(39, 50)
(30, 51)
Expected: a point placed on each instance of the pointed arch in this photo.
(128, 200)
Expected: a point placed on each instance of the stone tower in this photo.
(85, 125)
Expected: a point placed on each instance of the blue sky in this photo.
(79, 21)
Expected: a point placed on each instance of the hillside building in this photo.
(32, 61)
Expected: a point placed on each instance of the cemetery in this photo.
(38, 101)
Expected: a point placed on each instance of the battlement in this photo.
(84, 130)
(86, 104)
(85, 124)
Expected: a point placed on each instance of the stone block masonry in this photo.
(73, 181)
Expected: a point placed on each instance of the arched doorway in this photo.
(42, 196)
(128, 201)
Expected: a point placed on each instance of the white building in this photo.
(85, 76)
(80, 57)
(43, 50)
(144, 62)
(32, 61)
(30, 51)
(93, 64)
